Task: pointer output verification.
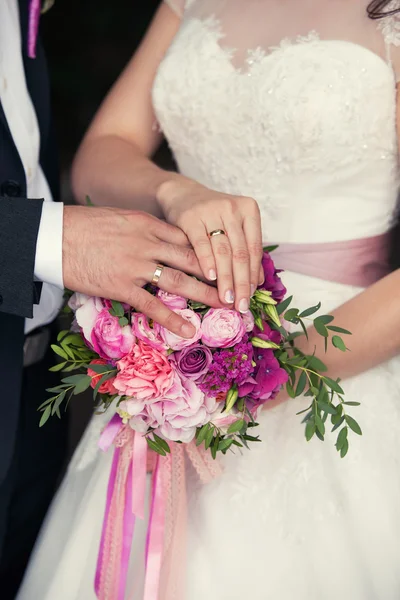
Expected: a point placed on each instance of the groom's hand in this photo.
(113, 253)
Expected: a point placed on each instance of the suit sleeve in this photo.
(19, 226)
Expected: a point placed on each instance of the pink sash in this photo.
(359, 262)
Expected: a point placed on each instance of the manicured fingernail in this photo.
(229, 297)
(212, 275)
(187, 330)
(244, 305)
(252, 289)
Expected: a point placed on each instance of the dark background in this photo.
(88, 43)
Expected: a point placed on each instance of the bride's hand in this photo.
(234, 259)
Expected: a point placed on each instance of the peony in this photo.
(175, 342)
(143, 331)
(87, 313)
(109, 339)
(272, 282)
(267, 379)
(144, 373)
(182, 411)
(194, 361)
(172, 301)
(108, 386)
(222, 328)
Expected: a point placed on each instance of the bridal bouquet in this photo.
(209, 388)
(185, 400)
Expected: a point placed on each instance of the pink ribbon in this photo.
(166, 534)
(33, 27)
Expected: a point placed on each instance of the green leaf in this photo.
(303, 328)
(325, 319)
(339, 343)
(333, 385)
(105, 378)
(74, 379)
(319, 424)
(58, 367)
(290, 390)
(201, 434)
(320, 327)
(62, 334)
(100, 369)
(209, 438)
(284, 305)
(123, 321)
(58, 402)
(292, 315)
(339, 330)
(231, 398)
(161, 443)
(310, 430)
(337, 424)
(117, 308)
(88, 200)
(236, 426)
(214, 447)
(59, 351)
(45, 416)
(344, 449)
(68, 350)
(310, 311)
(342, 437)
(269, 249)
(225, 444)
(352, 403)
(316, 364)
(301, 384)
(328, 408)
(82, 385)
(155, 447)
(354, 426)
(46, 402)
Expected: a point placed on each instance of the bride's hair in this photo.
(376, 8)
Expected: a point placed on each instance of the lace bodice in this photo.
(293, 104)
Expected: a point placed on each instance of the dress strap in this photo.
(389, 27)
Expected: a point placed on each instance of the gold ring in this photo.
(216, 232)
(157, 274)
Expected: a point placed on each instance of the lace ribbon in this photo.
(166, 534)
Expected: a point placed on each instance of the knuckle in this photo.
(177, 279)
(255, 249)
(241, 255)
(223, 249)
(149, 305)
(171, 321)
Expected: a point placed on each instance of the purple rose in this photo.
(222, 328)
(193, 362)
(272, 281)
(267, 379)
(109, 339)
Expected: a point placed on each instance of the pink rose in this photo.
(108, 386)
(151, 335)
(184, 408)
(109, 339)
(222, 328)
(248, 321)
(172, 301)
(144, 373)
(175, 341)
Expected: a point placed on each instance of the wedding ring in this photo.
(216, 232)
(157, 274)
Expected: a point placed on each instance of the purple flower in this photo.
(268, 334)
(272, 281)
(267, 379)
(193, 362)
(228, 367)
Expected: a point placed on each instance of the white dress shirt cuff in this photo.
(48, 262)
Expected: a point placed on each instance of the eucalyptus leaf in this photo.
(301, 384)
(236, 426)
(45, 416)
(284, 305)
(310, 430)
(333, 385)
(339, 330)
(310, 311)
(342, 437)
(354, 426)
(59, 351)
(320, 327)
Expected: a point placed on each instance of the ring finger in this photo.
(223, 258)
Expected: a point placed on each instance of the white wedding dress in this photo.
(292, 103)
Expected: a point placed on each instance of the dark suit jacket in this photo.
(19, 223)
